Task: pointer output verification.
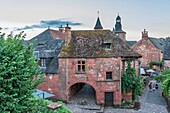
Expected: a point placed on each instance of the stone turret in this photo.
(118, 29)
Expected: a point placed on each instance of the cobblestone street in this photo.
(151, 102)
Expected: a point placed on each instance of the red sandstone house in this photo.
(150, 48)
(94, 57)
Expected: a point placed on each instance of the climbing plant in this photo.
(130, 81)
(165, 79)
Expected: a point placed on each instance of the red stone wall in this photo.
(95, 76)
(57, 83)
(148, 50)
(53, 85)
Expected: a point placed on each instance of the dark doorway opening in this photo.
(109, 98)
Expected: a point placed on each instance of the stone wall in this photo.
(95, 75)
(148, 51)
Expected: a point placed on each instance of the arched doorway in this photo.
(82, 93)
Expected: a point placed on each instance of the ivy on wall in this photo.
(130, 81)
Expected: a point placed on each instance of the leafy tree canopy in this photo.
(19, 77)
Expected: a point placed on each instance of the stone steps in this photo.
(97, 109)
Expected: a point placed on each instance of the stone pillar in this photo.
(123, 69)
(139, 66)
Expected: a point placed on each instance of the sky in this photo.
(35, 16)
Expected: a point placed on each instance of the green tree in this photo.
(19, 77)
(19, 73)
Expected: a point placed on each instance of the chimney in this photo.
(67, 34)
(144, 33)
(61, 28)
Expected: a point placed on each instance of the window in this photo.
(81, 66)
(41, 44)
(107, 45)
(108, 75)
(42, 62)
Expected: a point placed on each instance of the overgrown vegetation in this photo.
(126, 103)
(155, 63)
(19, 77)
(40, 106)
(164, 78)
(130, 81)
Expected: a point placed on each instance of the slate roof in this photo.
(158, 42)
(131, 43)
(98, 24)
(47, 40)
(166, 55)
(118, 17)
(48, 45)
(53, 66)
(90, 44)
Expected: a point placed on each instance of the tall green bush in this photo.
(165, 79)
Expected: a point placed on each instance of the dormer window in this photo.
(40, 44)
(42, 62)
(107, 45)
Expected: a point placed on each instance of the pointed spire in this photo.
(118, 25)
(118, 17)
(98, 23)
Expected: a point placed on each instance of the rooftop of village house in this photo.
(91, 43)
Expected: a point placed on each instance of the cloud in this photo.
(50, 23)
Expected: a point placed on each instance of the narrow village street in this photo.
(151, 102)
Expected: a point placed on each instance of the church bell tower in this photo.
(118, 29)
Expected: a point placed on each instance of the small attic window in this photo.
(107, 45)
(40, 44)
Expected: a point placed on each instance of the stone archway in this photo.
(82, 93)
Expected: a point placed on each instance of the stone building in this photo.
(150, 48)
(72, 58)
